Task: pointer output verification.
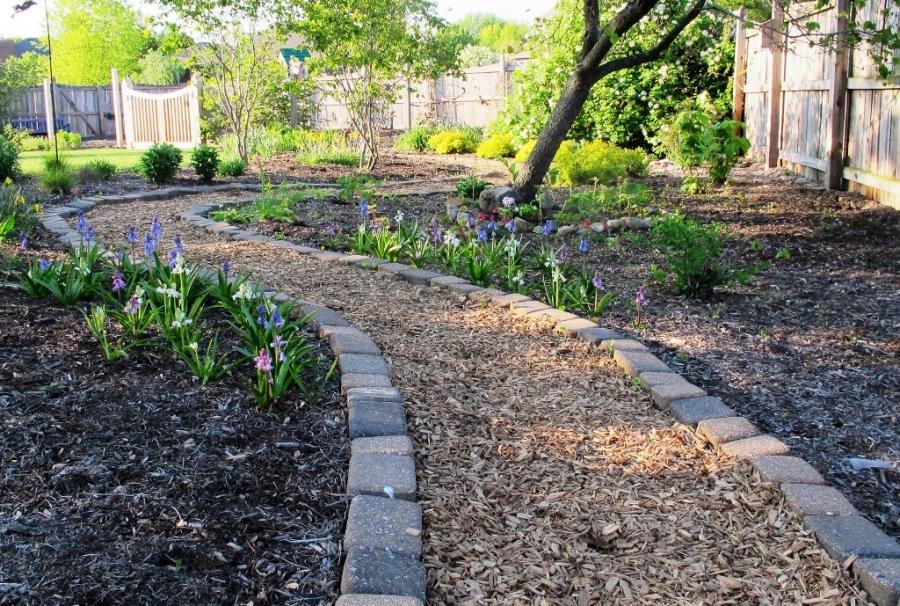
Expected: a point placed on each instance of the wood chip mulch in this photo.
(545, 477)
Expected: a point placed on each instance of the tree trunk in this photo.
(561, 118)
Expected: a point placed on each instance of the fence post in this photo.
(409, 122)
(837, 102)
(194, 110)
(777, 57)
(48, 109)
(117, 108)
(740, 68)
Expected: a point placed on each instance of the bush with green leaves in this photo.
(58, 176)
(416, 138)
(160, 163)
(17, 212)
(455, 141)
(9, 159)
(205, 161)
(98, 170)
(693, 254)
(499, 145)
(598, 162)
(232, 168)
(628, 198)
(470, 187)
(696, 141)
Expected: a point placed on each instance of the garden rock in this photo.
(548, 202)
(636, 223)
(383, 573)
(566, 230)
(384, 524)
(492, 197)
(453, 206)
(615, 224)
(522, 225)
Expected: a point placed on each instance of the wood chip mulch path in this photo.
(545, 477)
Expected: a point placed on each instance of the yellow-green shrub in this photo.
(599, 161)
(454, 141)
(496, 146)
(525, 151)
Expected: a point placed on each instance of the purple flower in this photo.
(364, 209)
(641, 297)
(471, 220)
(277, 320)
(226, 268)
(508, 201)
(548, 227)
(482, 235)
(597, 281)
(89, 234)
(562, 253)
(134, 305)
(45, 264)
(117, 282)
(149, 245)
(278, 345)
(179, 246)
(261, 316)
(583, 245)
(436, 236)
(263, 361)
(131, 235)
(331, 230)
(511, 226)
(173, 258)
(23, 240)
(156, 229)
(81, 224)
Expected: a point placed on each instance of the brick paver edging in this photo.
(836, 524)
(383, 536)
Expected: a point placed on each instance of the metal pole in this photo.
(51, 128)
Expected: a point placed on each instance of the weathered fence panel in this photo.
(154, 117)
(837, 121)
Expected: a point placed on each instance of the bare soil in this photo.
(130, 483)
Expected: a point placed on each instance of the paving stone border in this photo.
(838, 527)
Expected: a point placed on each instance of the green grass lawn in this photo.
(32, 162)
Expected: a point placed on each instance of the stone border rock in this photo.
(383, 536)
(837, 526)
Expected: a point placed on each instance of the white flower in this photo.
(195, 346)
(179, 265)
(399, 217)
(243, 292)
(508, 201)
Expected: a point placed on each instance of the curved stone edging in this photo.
(383, 536)
(836, 524)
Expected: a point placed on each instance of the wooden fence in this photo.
(473, 99)
(821, 113)
(135, 116)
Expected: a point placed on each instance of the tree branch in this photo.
(654, 53)
(591, 14)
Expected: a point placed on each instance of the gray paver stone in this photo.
(526, 307)
(447, 280)
(635, 362)
(393, 268)
(484, 294)
(815, 499)
(598, 335)
(666, 395)
(386, 524)
(366, 419)
(349, 331)
(755, 446)
(322, 316)
(507, 299)
(880, 578)
(726, 429)
(419, 277)
(353, 381)
(691, 411)
(326, 255)
(843, 536)
(653, 378)
(462, 288)
(382, 572)
(379, 474)
(370, 599)
(363, 364)
(780, 469)
(396, 445)
(614, 345)
(377, 394)
(371, 263)
(353, 259)
(552, 315)
(571, 328)
(344, 344)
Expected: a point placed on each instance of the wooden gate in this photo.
(167, 117)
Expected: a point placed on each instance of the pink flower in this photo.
(264, 361)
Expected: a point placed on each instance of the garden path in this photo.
(544, 476)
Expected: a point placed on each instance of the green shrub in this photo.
(17, 212)
(232, 168)
(342, 158)
(205, 161)
(599, 162)
(694, 140)
(625, 199)
(496, 146)
(416, 138)
(55, 163)
(58, 179)
(9, 159)
(64, 140)
(272, 205)
(692, 252)
(525, 151)
(99, 170)
(470, 187)
(160, 163)
(455, 141)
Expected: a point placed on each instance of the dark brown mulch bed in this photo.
(129, 483)
(809, 349)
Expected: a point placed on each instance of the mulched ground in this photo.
(809, 350)
(129, 483)
(545, 477)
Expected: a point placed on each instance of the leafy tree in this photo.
(157, 67)
(476, 56)
(90, 37)
(20, 72)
